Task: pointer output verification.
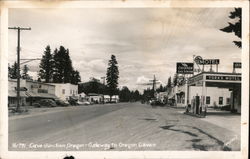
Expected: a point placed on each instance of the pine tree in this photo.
(9, 71)
(124, 94)
(63, 69)
(46, 66)
(75, 77)
(112, 76)
(13, 71)
(175, 80)
(169, 82)
(68, 69)
(236, 27)
(25, 74)
(58, 58)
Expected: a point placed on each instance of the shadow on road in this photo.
(186, 132)
(148, 119)
(195, 142)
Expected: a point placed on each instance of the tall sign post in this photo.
(18, 64)
(185, 68)
(236, 65)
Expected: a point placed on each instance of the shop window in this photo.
(207, 99)
(63, 91)
(220, 100)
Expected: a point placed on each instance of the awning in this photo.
(32, 94)
(41, 95)
(12, 93)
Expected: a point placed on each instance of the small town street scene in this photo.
(109, 79)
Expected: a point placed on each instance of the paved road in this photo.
(127, 126)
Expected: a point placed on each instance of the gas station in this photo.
(207, 83)
(232, 81)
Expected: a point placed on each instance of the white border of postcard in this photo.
(5, 5)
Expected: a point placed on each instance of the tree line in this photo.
(57, 67)
(54, 67)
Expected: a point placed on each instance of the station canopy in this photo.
(216, 79)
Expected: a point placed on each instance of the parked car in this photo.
(84, 103)
(61, 103)
(45, 103)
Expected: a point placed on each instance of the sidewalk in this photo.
(224, 119)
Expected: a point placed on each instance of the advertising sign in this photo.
(210, 62)
(224, 78)
(237, 64)
(184, 68)
(200, 61)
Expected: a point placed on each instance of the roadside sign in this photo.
(237, 64)
(200, 61)
(211, 62)
(184, 68)
(21, 89)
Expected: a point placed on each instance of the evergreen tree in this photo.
(25, 74)
(137, 95)
(13, 71)
(169, 82)
(68, 69)
(46, 66)
(112, 76)
(124, 94)
(58, 57)
(9, 71)
(63, 69)
(175, 80)
(75, 77)
(236, 27)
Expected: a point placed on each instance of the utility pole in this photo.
(154, 81)
(103, 89)
(18, 64)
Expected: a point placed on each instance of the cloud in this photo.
(146, 41)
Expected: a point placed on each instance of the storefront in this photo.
(230, 83)
(31, 91)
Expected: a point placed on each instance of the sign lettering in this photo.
(225, 78)
(184, 68)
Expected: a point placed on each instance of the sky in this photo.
(145, 41)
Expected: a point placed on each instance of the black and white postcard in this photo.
(124, 79)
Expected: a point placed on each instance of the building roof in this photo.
(94, 94)
(62, 84)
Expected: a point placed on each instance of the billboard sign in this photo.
(200, 61)
(184, 68)
(237, 64)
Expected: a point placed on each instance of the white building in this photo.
(214, 96)
(65, 90)
(95, 98)
(115, 98)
